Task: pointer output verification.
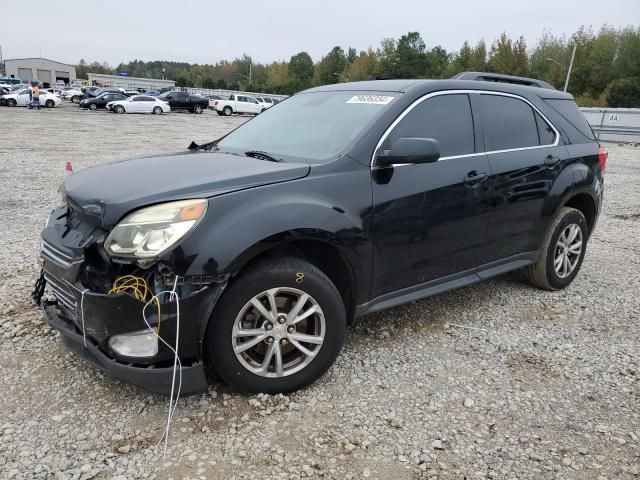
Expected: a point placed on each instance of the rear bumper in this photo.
(150, 378)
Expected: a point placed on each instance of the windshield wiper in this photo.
(261, 155)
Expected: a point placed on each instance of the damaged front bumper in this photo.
(87, 319)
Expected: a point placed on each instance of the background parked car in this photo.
(88, 91)
(21, 98)
(4, 91)
(102, 90)
(185, 101)
(238, 104)
(72, 93)
(139, 104)
(265, 102)
(100, 102)
(212, 99)
(152, 93)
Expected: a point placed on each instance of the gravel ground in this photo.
(497, 380)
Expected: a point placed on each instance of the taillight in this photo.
(602, 158)
(215, 103)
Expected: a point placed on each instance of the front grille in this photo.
(64, 295)
(57, 256)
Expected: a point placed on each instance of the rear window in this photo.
(570, 112)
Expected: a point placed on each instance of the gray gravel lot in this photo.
(498, 380)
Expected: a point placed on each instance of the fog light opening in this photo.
(142, 343)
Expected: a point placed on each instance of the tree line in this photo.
(606, 70)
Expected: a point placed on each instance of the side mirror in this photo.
(410, 150)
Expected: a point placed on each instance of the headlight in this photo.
(149, 231)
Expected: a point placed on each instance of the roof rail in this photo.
(497, 77)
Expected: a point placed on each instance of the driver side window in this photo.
(445, 118)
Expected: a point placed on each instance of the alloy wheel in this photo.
(278, 332)
(568, 250)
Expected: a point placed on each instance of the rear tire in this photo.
(562, 253)
(227, 111)
(219, 113)
(75, 99)
(290, 280)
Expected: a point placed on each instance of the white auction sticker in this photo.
(372, 99)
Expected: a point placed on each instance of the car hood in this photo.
(110, 191)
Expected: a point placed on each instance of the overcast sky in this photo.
(200, 31)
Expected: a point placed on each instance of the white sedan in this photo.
(21, 98)
(139, 104)
(74, 94)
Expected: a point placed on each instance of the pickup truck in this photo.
(184, 101)
(238, 104)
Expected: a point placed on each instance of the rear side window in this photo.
(507, 123)
(445, 118)
(546, 135)
(569, 110)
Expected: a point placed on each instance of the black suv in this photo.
(252, 253)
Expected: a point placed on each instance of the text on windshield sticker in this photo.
(371, 99)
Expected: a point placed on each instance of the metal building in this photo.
(42, 69)
(129, 83)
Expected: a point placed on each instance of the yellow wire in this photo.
(138, 288)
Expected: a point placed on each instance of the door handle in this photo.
(474, 177)
(551, 160)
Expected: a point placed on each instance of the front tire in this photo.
(75, 99)
(50, 104)
(197, 109)
(562, 253)
(157, 110)
(119, 109)
(93, 106)
(278, 327)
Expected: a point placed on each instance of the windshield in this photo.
(315, 126)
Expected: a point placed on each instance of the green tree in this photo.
(624, 93)
(501, 59)
(332, 66)
(436, 62)
(548, 58)
(601, 58)
(352, 54)
(520, 58)
(460, 61)
(365, 67)
(411, 58)
(388, 58)
(478, 61)
(301, 69)
(627, 61)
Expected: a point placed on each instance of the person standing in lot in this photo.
(36, 96)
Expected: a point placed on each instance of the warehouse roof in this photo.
(39, 58)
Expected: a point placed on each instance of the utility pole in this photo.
(250, 71)
(573, 56)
